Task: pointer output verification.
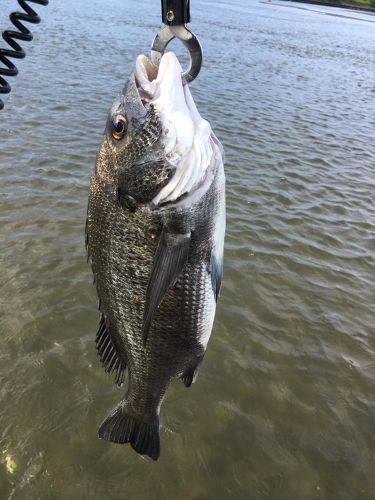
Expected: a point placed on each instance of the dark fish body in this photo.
(157, 266)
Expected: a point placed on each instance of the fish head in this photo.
(156, 146)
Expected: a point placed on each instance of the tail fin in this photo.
(121, 428)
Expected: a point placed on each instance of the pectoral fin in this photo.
(170, 259)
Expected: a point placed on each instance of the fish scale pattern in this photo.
(122, 246)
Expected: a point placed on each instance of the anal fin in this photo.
(170, 259)
(191, 374)
(108, 353)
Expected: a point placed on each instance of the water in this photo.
(284, 404)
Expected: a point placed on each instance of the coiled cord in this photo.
(10, 37)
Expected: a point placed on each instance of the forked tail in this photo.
(119, 427)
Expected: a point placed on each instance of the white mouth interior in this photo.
(186, 135)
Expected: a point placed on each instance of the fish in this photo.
(155, 235)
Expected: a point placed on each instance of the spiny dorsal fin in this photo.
(87, 238)
(108, 354)
(170, 259)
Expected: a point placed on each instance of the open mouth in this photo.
(145, 76)
(163, 82)
(162, 87)
(186, 137)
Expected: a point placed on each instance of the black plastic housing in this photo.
(175, 12)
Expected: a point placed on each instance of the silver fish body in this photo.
(155, 232)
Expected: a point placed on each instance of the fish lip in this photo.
(160, 87)
(159, 83)
(185, 135)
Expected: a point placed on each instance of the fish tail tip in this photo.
(121, 428)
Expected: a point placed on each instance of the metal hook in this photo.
(191, 42)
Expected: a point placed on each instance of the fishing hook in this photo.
(175, 14)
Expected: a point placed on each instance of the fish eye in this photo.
(119, 126)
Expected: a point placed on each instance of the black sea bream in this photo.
(155, 235)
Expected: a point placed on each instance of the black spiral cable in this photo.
(10, 37)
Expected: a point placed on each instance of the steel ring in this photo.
(191, 42)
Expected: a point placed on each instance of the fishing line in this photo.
(10, 36)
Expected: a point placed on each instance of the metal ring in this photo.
(191, 42)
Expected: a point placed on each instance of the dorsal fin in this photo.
(87, 238)
(107, 352)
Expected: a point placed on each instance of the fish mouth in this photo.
(163, 82)
(186, 138)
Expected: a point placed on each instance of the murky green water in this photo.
(284, 404)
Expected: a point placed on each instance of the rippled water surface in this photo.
(284, 405)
